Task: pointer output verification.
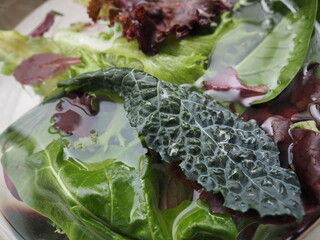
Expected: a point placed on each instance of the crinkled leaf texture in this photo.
(216, 149)
(112, 192)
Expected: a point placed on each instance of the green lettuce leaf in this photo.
(216, 148)
(313, 55)
(266, 48)
(176, 58)
(310, 125)
(105, 189)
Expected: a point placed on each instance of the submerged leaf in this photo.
(107, 188)
(216, 149)
(228, 87)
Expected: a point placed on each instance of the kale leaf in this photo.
(216, 148)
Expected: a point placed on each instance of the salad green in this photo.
(87, 170)
(273, 44)
(112, 195)
(214, 147)
(178, 60)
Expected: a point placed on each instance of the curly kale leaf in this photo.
(216, 148)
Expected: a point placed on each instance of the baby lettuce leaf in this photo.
(216, 148)
(194, 223)
(266, 48)
(177, 60)
(15, 47)
(114, 196)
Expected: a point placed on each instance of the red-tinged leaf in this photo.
(306, 159)
(44, 26)
(312, 213)
(280, 106)
(293, 102)
(176, 193)
(67, 121)
(94, 8)
(75, 115)
(176, 172)
(43, 66)
(307, 88)
(277, 127)
(223, 83)
(150, 22)
(10, 186)
(215, 202)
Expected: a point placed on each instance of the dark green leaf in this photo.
(216, 149)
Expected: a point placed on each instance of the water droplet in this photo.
(251, 192)
(290, 156)
(289, 27)
(282, 190)
(248, 164)
(94, 136)
(174, 150)
(267, 182)
(236, 174)
(235, 187)
(267, 24)
(314, 110)
(269, 202)
(78, 146)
